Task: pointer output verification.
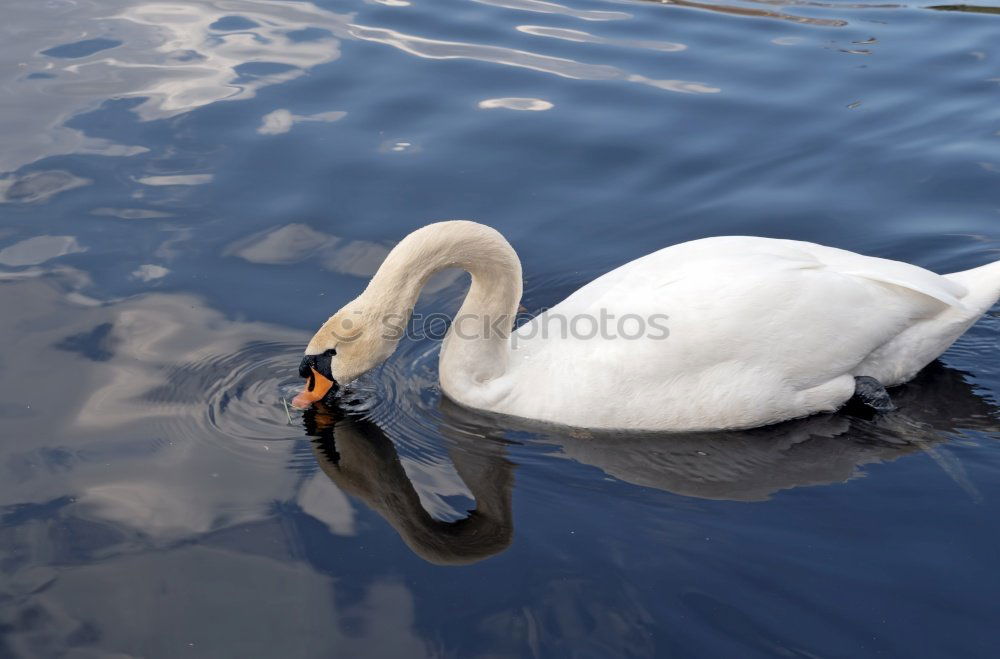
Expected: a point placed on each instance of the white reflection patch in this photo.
(149, 272)
(293, 243)
(39, 250)
(177, 179)
(281, 121)
(130, 213)
(528, 104)
(324, 501)
(296, 242)
(563, 67)
(399, 146)
(542, 7)
(580, 36)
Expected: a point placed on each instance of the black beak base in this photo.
(319, 362)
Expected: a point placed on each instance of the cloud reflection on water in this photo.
(176, 56)
(215, 601)
(205, 60)
(140, 428)
(181, 55)
(37, 186)
(294, 243)
(39, 249)
(171, 410)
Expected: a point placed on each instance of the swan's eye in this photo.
(321, 363)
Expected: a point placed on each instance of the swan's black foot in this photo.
(870, 393)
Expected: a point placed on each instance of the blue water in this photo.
(188, 188)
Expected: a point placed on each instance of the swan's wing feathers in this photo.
(930, 289)
(713, 264)
(896, 273)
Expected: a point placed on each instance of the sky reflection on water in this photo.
(187, 188)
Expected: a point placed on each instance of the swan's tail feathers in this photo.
(983, 284)
(899, 360)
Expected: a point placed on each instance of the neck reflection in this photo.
(362, 461)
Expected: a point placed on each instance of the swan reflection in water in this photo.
(362, 461)
(736, 466)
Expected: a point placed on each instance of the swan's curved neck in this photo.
(477, 345)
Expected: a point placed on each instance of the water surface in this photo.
(189, 188)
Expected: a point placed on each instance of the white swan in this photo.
(737, 331)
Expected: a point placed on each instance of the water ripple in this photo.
(751, 12)
(560, 66)
(579, 36)
(552, 8)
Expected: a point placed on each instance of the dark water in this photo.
(188, 188)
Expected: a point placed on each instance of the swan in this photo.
(728, 332)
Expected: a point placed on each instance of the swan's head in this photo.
(349, 344)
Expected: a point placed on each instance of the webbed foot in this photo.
(870, 393)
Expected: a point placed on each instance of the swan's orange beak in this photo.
(316, 387)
